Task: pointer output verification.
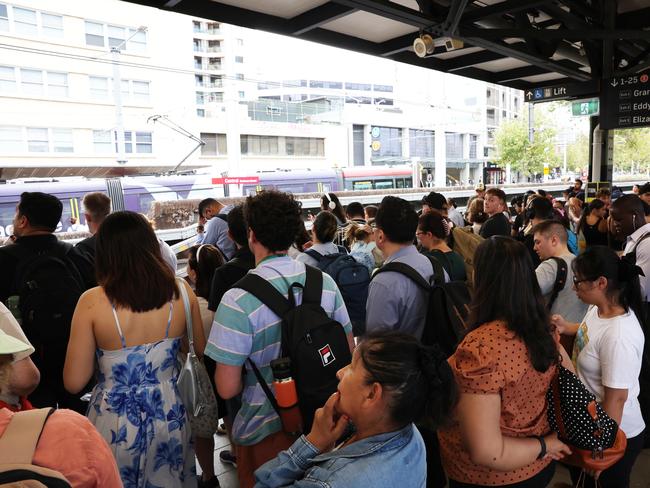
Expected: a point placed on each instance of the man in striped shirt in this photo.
(245, 328)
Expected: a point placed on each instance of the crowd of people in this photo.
(99, 332)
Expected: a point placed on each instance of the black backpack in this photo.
(448, 308)
(48, 286)
(560, 279)
(352, 279)
(316, 344)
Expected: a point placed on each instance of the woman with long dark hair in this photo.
(392, 382)
(329, 202)
(503, 367)
(202, 261)
(608, 347)
(593, 224)
(432, 234)
(133, 325)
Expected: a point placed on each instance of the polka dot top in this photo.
(492, 359)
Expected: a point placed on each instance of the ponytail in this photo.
(417, 378)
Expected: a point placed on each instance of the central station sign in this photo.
(565, 91)
(237, 180)
(626, 102)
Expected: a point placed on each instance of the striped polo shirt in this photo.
(243, 327)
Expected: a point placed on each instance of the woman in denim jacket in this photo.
(392, 382)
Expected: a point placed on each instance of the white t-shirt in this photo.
(610, 352)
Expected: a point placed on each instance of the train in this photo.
(139, 192)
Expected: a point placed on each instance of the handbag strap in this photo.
(188, 314)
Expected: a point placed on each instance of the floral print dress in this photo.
(136, 407)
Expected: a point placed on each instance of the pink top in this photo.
(71, 445)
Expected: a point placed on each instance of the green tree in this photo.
(514, 148)
(632, 150)
(578, 153)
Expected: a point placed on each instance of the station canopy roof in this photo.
(516, 43)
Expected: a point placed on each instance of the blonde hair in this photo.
(356, 233)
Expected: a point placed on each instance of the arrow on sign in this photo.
(529, 95)
(614, 83)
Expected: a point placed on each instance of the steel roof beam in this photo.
(507, 7)
(567, 34)
(454, 15)
(318, 16)
(517, 73)
(392, 11)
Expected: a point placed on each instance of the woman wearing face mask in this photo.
(391, 382)
(608, 348)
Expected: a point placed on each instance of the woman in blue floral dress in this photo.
(133, 325)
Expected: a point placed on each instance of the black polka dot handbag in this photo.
(581, 422)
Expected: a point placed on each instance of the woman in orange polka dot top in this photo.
(500, 433)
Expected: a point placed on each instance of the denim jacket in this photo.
(381, 461)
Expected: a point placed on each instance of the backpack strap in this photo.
(313, 290)
(265, 386)
(314, 254)
(405, 270)
(560, 279)
(643, 237)
(342, 250)
(265, 292)
(20, 438)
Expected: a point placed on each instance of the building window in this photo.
(491, 116)
(98, 87)
(143, 142)
(200, 112)
(116, 36)
(198, 63)
(196, 25)
(382, 101)
(37, 140)
(358, 146)
(25, 21)
(11, 140)
(242, 94)
(253, 145)
(382, 88)
(102, 141)
(141, 91)
(214, 46)
(62, 140)
(94, 34)
(240, 43)
(7, 79)
(421, 143)
(215, 97)
(503, 114)
(196, 45)
(239, 77)
(200, 98)
(473, 144)
(52, 25)
(137, 41)
(4, 18)
(57, 84)
(454, 145)
(390, 142)
(358, 86)
(32, 82)
(215, 144)
(239, 59)
(304, 146)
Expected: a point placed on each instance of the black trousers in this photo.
(618, 476)
(540, 480)
(435, 473)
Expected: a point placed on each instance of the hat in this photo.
(11, 345)
(645, 188)
(480, 187)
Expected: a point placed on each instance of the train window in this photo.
(409, 182)
(399, 182)
(292, 188)
(7, 212)
(362, 185)
(382, 184)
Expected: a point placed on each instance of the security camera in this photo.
(423, 45)
(451, 44)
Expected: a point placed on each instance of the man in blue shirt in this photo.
(395, 302)
(216, 227)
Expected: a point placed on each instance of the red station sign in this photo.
(236, 180)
